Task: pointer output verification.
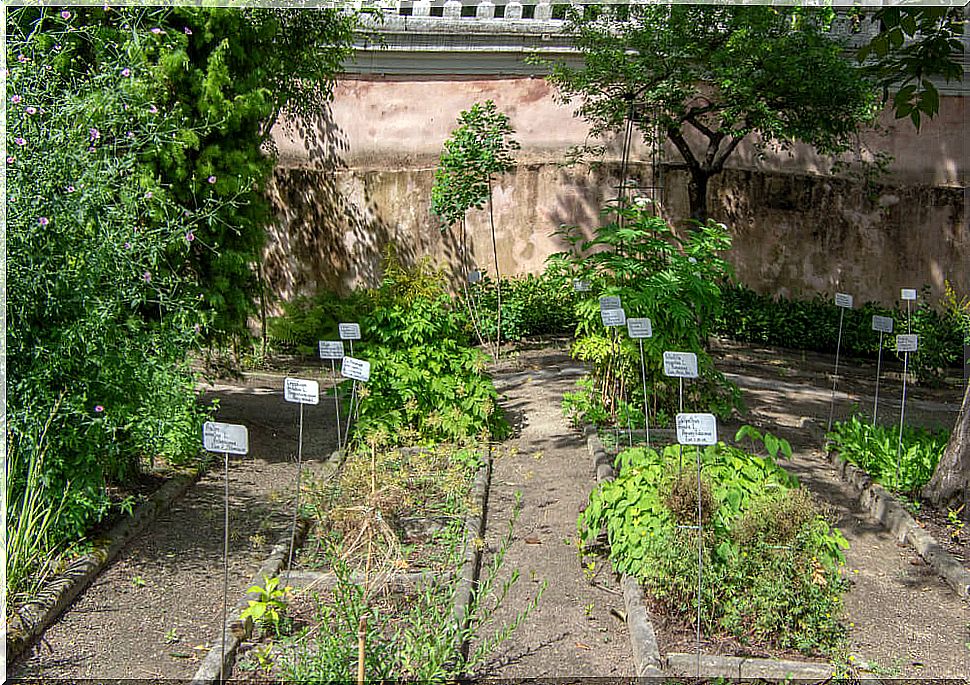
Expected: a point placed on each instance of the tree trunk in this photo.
(697, 194)
(950, 484)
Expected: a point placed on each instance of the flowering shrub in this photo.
(100, 317)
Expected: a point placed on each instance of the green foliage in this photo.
(914, 45)
(477, 150)
(269, 609)
(814, 325)
(543, 304)
(874, 450)
(706, 77)
(100, 322)
(672, 279)
(771, 561)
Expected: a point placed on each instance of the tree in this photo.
(707, 77)
(914, 45)
(478, 150)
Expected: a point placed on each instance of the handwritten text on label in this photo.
(301, 391)
(225, 437)
(357, 369)
(680, 364)
(696, 429)
(331, 349)
(639, 328)
(349, 331)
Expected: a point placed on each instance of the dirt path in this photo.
(154, 612)
(907, 621)
(572, 633)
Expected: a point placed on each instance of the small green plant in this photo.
(269, 609)
(171, 636)
(874, 449)
(138, 581)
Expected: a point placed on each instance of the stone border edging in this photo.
(886, 509)
(30, 622)
(474, 545)
(647, 659)
(237, 628)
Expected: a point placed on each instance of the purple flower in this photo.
(188, 31)
(148, 195)
(130, 134)
(147, 276)
(91, 149)
(20, 141)
(70, 189)
(197, 328)
(126, 72)
(15, 99)
(190, 236)
(57, 46)
(94, 133)
(31, 110)
(156, 30)
(98, 408)
(10, 160)
(153, 109)
(65, 15)
(211, 179)
(127, 245)
(21, 58)
(43, 221)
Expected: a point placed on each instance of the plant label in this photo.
(474, 276)
(843, 300)
(680, 364)
(907, 294)
(580, 286)
(225, 437)
(882, 324)
(639, 328)
(349, 331)
(331, 349)
(301, 391)
(357, 369)
(907, 343)
(610, 302)
(696, 429)
(613, 317)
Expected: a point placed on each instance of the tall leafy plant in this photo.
(476, 152)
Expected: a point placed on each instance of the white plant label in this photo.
(680, 364)
(331, 349)
(907, 343)
(907, 294)
(474, 276)
(639, 328)
(580, 286)
(843, 300)
(225, 437)
(357, 369)
(349, 331)
(882, 324)
(696, 429)
(613, 317)
(610, 302)
(301, 391)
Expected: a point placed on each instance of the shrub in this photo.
(771, 561)
(532, 305)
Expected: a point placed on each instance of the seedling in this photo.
(138, 581)
(269, 610)
(171, 636)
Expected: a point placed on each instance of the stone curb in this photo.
(647, 659)
(33, 619)
(886, 509)
(238, 629)
(474, 544)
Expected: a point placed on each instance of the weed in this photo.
(269, 609)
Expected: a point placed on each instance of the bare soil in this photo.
(154, 612)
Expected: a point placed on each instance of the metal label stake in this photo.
(697, 430)
(225, 439)
(301, 392)
(905, 344)
(680, 365)
(639, 329)
(334, 350)
(883, 324)
(843, 302)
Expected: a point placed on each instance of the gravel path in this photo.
(572, 633)
(154, 612)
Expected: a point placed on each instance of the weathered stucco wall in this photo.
(359, 179)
